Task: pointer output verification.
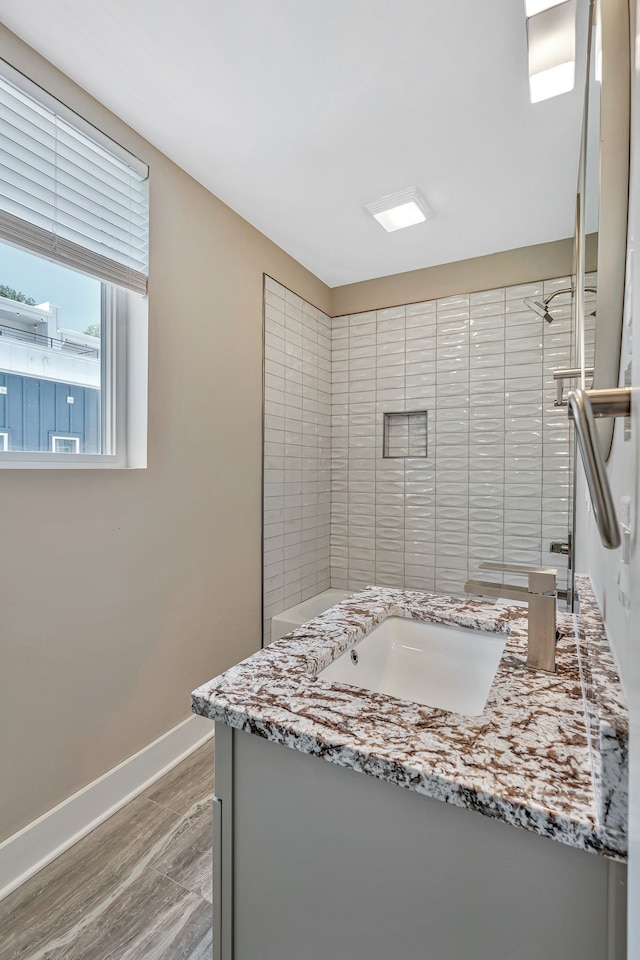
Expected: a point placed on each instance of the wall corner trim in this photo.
(32, 848)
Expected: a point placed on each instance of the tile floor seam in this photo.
(180, 885)
(164, 806)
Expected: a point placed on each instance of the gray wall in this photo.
(123, 590)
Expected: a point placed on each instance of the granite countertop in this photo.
(548, 753)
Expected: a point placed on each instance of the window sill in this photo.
(35, 461)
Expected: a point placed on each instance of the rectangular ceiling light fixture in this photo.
(551, 37)
(398, 210)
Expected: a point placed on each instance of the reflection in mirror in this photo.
(601, 220)
(604, 197)
(591, 208)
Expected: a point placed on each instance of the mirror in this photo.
(602, 208)
(588, 216)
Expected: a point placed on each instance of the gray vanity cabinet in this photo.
(318, 862)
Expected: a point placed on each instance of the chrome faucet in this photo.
(540, 595)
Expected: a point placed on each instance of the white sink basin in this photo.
(435, 664)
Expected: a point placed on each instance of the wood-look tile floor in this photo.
(138, 887)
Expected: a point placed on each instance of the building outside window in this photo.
(73, 276)
(65, 444)
(50, 355)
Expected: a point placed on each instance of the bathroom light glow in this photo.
(531, 7)
(551, 37)
(399, 210)
(403, 216)
(598, 52)
(552, 82)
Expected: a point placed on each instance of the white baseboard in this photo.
(40, 842)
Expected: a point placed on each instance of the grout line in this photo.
(404, 462)
(542, 437)
(183, 816)
(436, 485)
(470, 466)
(162, 806)
(177, 883)
(504, 418)
(347, 457)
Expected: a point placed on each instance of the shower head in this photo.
(542, 307)
(539, 308)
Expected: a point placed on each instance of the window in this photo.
(73, 277)
(65, 444)
(4, 441)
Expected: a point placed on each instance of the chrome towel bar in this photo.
(584, 406)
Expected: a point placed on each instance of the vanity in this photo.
(350, 822)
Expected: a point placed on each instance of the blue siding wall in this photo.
(32, 411)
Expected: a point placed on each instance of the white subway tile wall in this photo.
(496, 481)
(297, 451)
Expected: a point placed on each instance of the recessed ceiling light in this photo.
(398, 210)
(531, 7)
(551, 37)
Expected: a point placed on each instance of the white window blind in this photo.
(67, 192)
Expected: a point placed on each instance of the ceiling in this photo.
(296, 113)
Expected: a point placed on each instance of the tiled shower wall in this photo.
(495, 483)
(496, 479)
(297, 451)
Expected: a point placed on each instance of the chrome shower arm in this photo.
(556, 293)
